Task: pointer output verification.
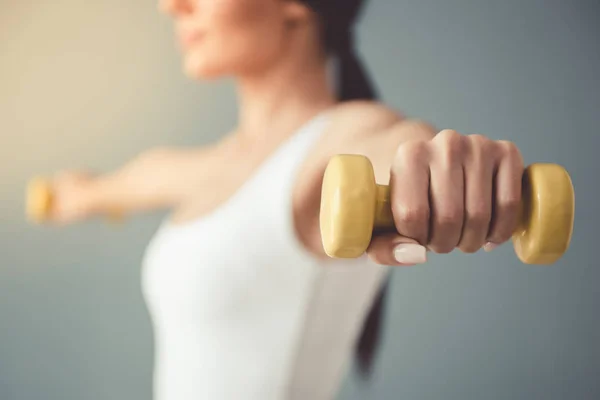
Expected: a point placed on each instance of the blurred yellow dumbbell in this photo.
(40, 199)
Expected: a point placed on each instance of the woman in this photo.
(244, 302)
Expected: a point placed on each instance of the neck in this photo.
(283, 96)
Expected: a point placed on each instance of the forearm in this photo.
(143, 184)
(113, 194)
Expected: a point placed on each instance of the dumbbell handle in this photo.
(384, 218)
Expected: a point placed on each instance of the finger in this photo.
(478, 173)
(447, 195)
(393, 250)
(409, 188)
(507, 194)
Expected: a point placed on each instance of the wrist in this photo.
(89, 197)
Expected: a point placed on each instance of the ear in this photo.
(296, 11)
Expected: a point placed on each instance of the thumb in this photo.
(394, 250)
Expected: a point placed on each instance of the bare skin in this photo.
(449, 190)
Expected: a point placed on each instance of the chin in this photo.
(200, 68)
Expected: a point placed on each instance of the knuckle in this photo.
(411, 215)
(451, 138)
(479, 217)
(510, 151)
(509, 203)
(412, 153)
(452, 146)
(479, 141)
(449, 217)
(480, 147)
(446, 134)
(507, 147)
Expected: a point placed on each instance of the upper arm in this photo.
(171, 173)
(156, 173)
(156, 178)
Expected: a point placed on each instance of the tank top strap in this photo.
(271, 194)
(277, 176)
(295, 151)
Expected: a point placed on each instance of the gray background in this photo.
(93, 83)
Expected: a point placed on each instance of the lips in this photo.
(188, 38)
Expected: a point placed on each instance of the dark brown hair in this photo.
(338, 19)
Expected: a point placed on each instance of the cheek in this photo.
(241, 37)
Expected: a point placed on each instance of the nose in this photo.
(176, 7)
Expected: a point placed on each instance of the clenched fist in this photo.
(454, 191)
(69, 204)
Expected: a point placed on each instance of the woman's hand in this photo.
(453, 191)
(70, 200)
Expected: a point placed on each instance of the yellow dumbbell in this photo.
(353, 206)
(39, 202)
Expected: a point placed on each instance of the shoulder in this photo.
(357, 118)
(360, 122)
(369, 128)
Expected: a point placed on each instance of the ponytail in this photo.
(352, 80)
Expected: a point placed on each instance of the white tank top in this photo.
(240, 309)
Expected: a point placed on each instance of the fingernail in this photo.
(489, 246)
(409, 253)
